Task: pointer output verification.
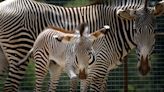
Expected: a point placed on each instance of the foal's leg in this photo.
(73, 85)
(41, 69)
(55, 72)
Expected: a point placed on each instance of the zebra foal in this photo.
(57, 50)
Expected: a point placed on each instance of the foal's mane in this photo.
(61, 30)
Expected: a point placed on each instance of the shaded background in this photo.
(154, 82)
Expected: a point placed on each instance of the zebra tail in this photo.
(25, 58)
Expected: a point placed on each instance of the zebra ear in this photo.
(65, 39)
(82, 30)
(126, 14)
(99, 33)
(159, 8)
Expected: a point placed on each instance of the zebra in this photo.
(57, 50)
(142, 36)
(23, 20)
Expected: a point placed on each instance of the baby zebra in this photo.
(58, 49)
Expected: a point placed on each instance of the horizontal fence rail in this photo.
(160, 33)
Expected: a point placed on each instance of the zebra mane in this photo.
(126, 3)
(80, 28)
(120, 3)
(61, 30)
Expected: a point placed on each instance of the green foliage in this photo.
(131, 88)
(28, 83)
(76, 3)
(29, 79)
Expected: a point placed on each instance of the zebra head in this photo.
(144, 35)
(85, 54)
(159, 8)
(83, 49)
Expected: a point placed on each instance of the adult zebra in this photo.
(23, 20)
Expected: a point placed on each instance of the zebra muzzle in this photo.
(144, 67)
(82, 74)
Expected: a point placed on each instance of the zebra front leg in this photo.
(41, 68)
(55, 72)
(70, 68)
(104, 85)
(73, 85)
(73, 78)
(99, 84)
(82, 85)
(96, 77)
(4, 64)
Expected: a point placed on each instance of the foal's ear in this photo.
(99, 33)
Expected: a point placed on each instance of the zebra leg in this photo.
(82, 84)
(99, 84)
(41, 69)
(55, 72)
(96, 77)
(70, 70)
(104, 85)
(73, 85)
(15, 75)
(3, 62)
(96, 86)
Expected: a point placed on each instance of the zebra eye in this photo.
(90, 53)
(92, 59)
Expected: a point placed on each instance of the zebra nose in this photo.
(159, 8)
(144, 66)
(82, 74)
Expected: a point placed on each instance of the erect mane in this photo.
(61, 30)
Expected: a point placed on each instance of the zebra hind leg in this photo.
(55, 72)
(15, 75)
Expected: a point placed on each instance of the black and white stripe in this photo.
(23, 20)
